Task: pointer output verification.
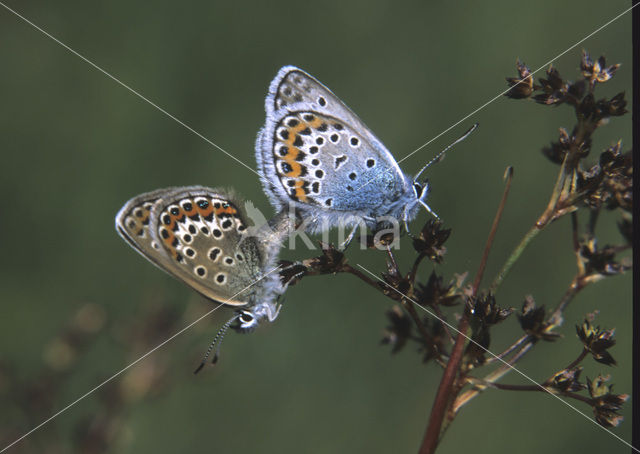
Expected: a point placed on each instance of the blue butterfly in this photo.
(315, 154)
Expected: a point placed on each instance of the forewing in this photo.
(200, 236)
(294, 86)
(293, 92)
(321, 159)
(133, 225)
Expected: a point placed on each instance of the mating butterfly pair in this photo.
(313, 152)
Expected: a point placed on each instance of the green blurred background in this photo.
(76, 145)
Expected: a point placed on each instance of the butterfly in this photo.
(200, 236)
(317, 156)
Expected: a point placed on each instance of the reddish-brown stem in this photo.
(494, 228)
(444, 394)
(346, 268)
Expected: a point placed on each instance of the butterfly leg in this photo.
(273, 311)
(343, 246)
(358, 222)
(406, 227)
(429, 210)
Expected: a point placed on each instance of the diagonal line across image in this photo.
(498, 358)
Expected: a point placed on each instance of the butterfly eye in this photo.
(417, 188)
(246, 317)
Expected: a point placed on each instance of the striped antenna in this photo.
(216, 343)
(440, 155)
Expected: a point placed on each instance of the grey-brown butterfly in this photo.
(200, 236)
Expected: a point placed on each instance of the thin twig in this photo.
(346, 268)
(510, 387)
(494, 376)
(544, 219)
(444, 397)
(578, 360)
(508, 351)
(555, 320)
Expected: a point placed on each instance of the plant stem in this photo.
(346, 268)
(508, 351)
(555, 320)
(427, 339)
(513, 258)
(408, 305)
(494, 376)
(547, 216)
(412, 277)
(444, 395)
(578, 360)
(432, 434)
(416, 264)
(509, 387)
(494, 228)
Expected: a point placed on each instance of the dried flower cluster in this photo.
(468, 368)
(605, 403)
(607, 184)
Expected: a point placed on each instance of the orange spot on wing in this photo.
(300, 194)
(290, 158)
(293, 131)
(204, 212)
(193, 210)
(226, 210)
(296, 169)
(294, 153)
(315, 123)
(168, 242)
(291, 155)
(172, 224)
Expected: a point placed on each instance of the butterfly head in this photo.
(249, 319)
(421, 190)
(419, 194)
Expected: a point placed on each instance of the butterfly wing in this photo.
(292, 85)
(322, 160)
(314, 150)
(197, 235)
(133, 225)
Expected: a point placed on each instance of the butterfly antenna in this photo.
(216, 343)
(440, 155)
